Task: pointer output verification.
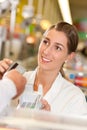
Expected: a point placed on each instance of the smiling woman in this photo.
(57, 46)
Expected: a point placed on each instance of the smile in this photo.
(45, 59)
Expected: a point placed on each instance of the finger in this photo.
(4, 65)
(45, 105)
(7, 61)
(2, 69)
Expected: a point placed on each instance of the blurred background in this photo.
(22, 23)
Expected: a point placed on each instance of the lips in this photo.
(45, 59)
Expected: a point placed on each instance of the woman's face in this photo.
(53, 51)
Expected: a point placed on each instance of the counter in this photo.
(26, 119)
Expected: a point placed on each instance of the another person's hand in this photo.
(18, 80)
(4, 65)
(45, 105)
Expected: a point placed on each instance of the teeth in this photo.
(45, 59)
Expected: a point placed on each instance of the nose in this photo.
(47, 50)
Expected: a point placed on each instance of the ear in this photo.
(70, 56)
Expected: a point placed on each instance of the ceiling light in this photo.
(65, 10)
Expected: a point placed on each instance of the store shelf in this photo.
(79, 78)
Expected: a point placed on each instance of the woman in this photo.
(57, 46)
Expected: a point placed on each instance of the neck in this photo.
(46, 78)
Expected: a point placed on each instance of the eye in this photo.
(58, 48)
(45, 41)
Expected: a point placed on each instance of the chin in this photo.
(44, 67)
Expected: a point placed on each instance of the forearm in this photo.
(7, 92)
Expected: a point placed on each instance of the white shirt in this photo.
(7, 92)
(63, 96)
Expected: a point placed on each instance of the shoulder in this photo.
(69, 86)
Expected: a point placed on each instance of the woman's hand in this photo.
(45, 105)
(4, 65)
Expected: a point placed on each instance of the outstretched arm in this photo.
(11, 86)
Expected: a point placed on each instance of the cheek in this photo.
(41, 49)
(58, 62)
(39, 52)
(60, 59)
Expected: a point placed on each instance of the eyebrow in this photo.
(46, 38)
(60, 44)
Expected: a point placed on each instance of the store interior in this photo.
(23, 22)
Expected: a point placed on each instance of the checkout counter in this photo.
(31, 119)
